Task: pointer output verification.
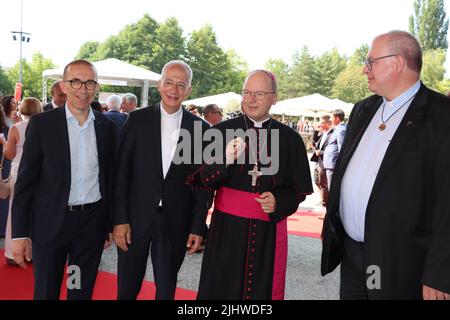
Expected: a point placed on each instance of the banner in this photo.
(18, 92)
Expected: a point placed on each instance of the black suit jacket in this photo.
(407, 224)
(139, 183)
(41, 192)
(48, 107)
(316, 144)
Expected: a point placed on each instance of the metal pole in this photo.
(21, 39)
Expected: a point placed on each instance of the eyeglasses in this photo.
(180, 85)
(370, 61)
(77, 84)
(259, 95)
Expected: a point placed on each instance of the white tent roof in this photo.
(114, 72)
(311, 106)
(222, 100)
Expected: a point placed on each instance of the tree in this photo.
(326, 69)
(6, 86)
(208, 62)
(429, 25)
(235, 75)
(359, 56)
(281, 71)
(133, 44)
(300, 78)
(169, 44)
(351, 83)
(32, 74)
(87, 50)
(433, 68)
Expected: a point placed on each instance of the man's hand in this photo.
(268, 202)
(22, 251)
(234, 149)
(194, 242)
(108, 241)
(434, 294)
(122, 235)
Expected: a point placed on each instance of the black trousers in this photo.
(166, 257)
(80, 243)
(353, 276)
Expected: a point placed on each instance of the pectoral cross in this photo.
(255, 174)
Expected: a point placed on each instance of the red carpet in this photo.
(306, 223)
(17, 284)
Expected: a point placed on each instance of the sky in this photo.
(256, 29)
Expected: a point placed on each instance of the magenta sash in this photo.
(243, 204)
(239, 203)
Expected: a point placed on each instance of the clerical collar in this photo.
(392, 105)
(165, 114)
(258, 124)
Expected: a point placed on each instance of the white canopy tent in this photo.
(113, 72)
(222, 100)
(313, 105)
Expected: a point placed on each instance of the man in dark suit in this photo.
(320, 175)
(63, 189)
(153, 204)
(114, 102)
(59, 98)
(388, 219)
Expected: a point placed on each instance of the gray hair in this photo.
(129, 97)
(114, 102)
(210, 108)
(406, 45)
(181, 63)
(53, 87)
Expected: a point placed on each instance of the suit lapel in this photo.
(406, 129)
(186, 125)
(99, 135)
(325, 142)
(156, 136)
(62, 142)
(365, 117)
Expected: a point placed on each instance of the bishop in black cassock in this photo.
(246, 249)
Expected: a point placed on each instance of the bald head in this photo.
(79, 63)
(259, 94)
(267, 74)
(405, 45)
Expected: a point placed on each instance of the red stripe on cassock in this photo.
(279, 268)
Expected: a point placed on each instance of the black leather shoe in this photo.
(11, 262)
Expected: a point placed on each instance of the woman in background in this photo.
(13, 150)
(4, 203)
